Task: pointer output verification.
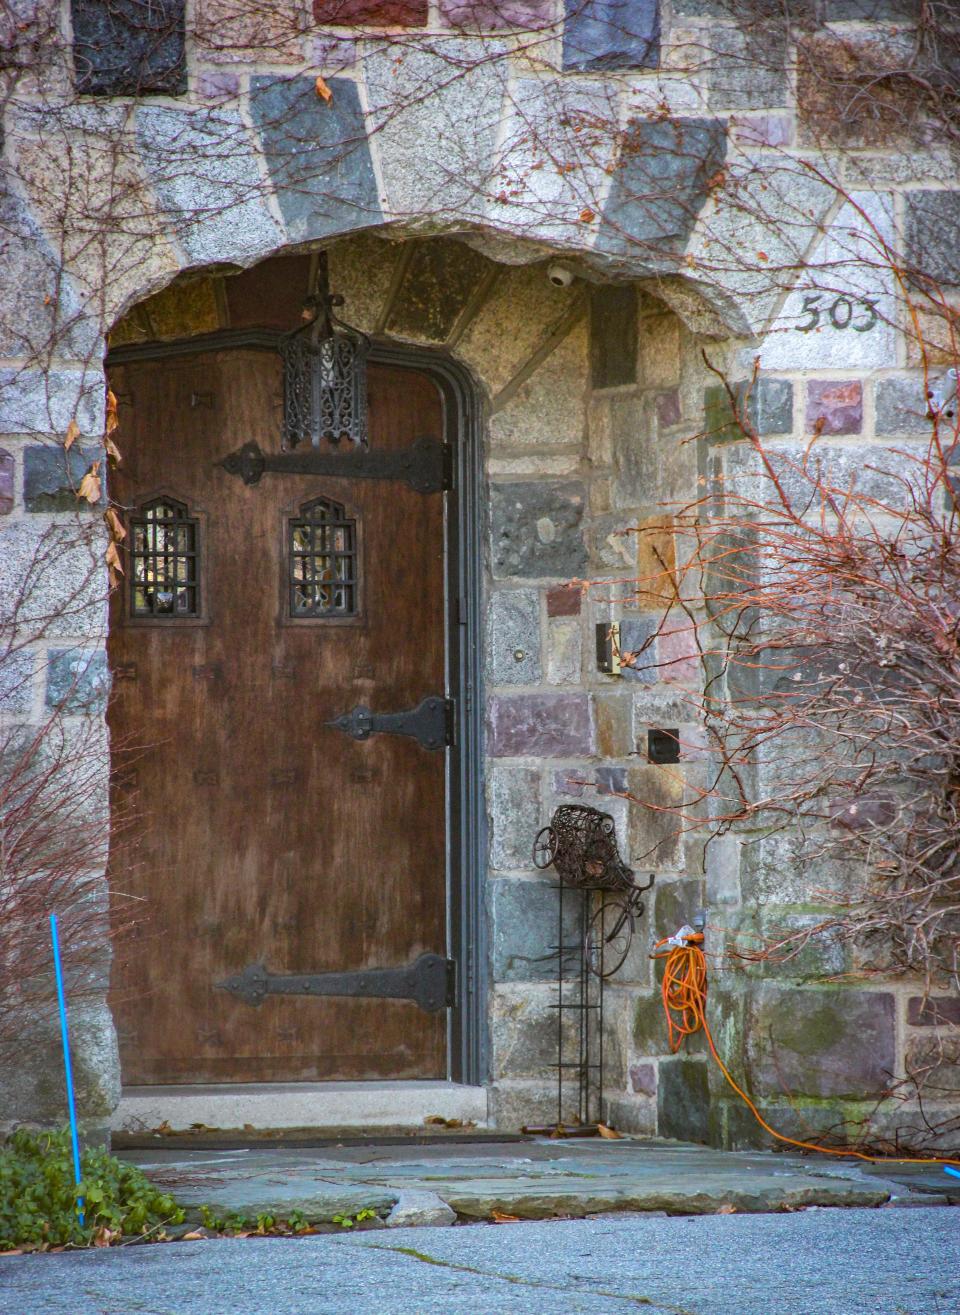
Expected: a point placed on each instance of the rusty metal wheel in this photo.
(545, 847)
(608, 937)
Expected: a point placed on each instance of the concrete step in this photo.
(321, 1107)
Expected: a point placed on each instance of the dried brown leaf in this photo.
(193, 1237)
(499, 1217)
(73, 433)
(610, 1133)
(118, 531)
(112, 420)
(113, 452)
(112, 557)
(91, 487)
(323, 91)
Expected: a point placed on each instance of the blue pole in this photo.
(65, 1035)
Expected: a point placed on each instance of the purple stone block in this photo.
(612, 780)
(643, 1079)
(571, 781)
(838, 404)
(540, 726)
(933, 1011)
(333, 54)
(763, 129)
(6, 482)
(668, 408)
(491, 15)
(217, 84)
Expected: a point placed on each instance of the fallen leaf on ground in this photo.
(727, 1209)
(194, 1237)
(499, 1217)
(610, 1133)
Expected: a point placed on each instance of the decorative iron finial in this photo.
(324, 374)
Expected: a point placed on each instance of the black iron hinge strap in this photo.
(426, 466)
(430, 982)
(431, 723)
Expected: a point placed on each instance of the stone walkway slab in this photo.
(537, 1179)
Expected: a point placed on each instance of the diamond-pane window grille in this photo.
(323, 561)
(164, 562)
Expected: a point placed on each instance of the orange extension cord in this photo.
(685, 1004)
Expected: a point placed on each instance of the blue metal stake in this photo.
(65, 1034)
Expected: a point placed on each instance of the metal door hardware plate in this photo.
(430, 982)
(430, 723)
(426, 465)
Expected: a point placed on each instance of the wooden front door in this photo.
(251, 617)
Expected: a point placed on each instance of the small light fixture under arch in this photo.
(324, 375)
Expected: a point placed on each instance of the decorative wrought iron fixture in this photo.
(324, 375)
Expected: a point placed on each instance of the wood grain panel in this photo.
(261, 833)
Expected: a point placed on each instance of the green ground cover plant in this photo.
(38, 1206)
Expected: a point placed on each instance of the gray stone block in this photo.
(317, 154)
(126, 48)
(635, 633)
(513, 799)
(16, 681)
(51, 477)
(203, 167)
(748, 67)
(37, 402)
(78, 680)
(39, 304)
(523, 930)
(901, 407)
(656, 828)
(722, 868)
(513, 637)
(434, 111)
(563, 651)
(420, 1210)
(536, 529)
(766, 404)
(611, 34)
(682, 1099)
(31, 1079)
(54, 576)
(540, 726)
(660, 186)
(820, 1041)
(933, 219)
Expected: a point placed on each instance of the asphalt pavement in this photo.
(821, 1261)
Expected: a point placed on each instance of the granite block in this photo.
(611, 34)
(127, 48)
(317, 153)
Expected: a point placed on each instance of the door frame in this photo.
(467, 1037)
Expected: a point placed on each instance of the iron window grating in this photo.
(323, 561)
(165, 558)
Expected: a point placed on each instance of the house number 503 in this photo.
(856, 313)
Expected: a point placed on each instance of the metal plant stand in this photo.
(599, 900)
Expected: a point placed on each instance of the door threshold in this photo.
(330, 1110)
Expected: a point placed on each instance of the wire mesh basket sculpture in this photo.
(581, 844)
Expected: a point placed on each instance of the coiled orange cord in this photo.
(684, 992)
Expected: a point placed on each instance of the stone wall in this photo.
(676, 161)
